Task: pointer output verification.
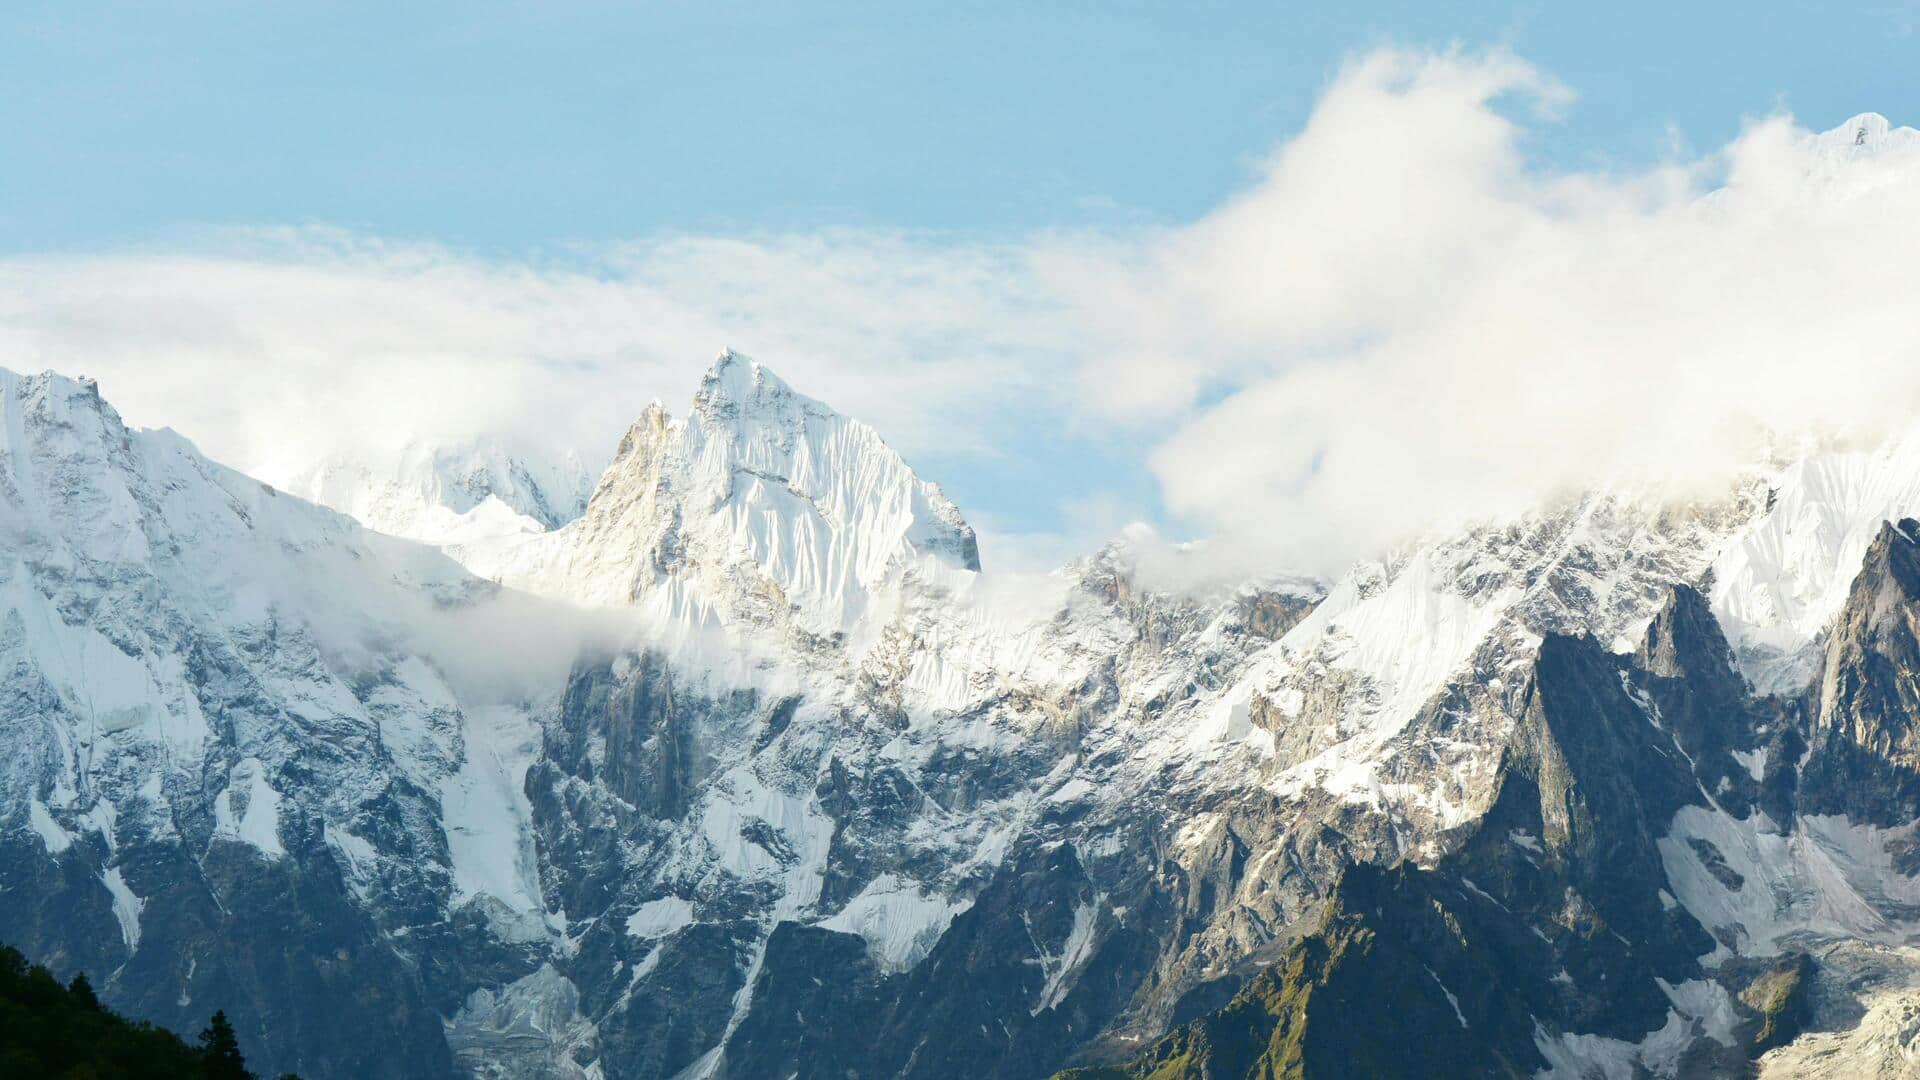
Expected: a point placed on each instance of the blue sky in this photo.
(520, 135)
(522, 126)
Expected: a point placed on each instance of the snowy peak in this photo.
(1861, 156)
(761, 506)
(450, 493)
(1867, 133)
(749, 427)
(737, 384)
(81, 494)
(64, 449)
(83, 497)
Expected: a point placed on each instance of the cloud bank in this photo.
(1407, 326)
(1401, 323)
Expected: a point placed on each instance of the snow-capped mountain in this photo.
(761, 506)
(743, 767)
(811, 790)
(914, 823)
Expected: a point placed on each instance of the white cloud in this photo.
(1087, 521)
(272, 347)
(1404, 326)
(1400, 323)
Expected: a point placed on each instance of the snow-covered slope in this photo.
(235, 724)
(1343, 705)
(1777, 587)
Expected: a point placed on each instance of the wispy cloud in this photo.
(270, 346)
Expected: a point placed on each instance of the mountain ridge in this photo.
(790, 773)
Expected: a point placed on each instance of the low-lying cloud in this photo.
(1400, 324)
(272, 346)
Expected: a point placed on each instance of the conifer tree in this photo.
(82, 991)
(221, 1051)
(47, 1029)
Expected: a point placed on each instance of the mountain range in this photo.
(736, 762)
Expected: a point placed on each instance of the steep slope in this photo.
(1865, 715)
(243, 739)
(1778, 586)
(1709, 877)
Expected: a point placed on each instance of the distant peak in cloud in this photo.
(1869, 131)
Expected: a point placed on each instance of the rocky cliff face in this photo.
(1672, 843)
(1864, 716)
(766, 778)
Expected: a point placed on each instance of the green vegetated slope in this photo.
(1378, 989)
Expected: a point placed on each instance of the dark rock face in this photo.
(632, 734)
(1407, 975)
(1270, 615)
(1595, 780)
(1608, 779)
(1864, 712)
(56, 910)
(678, 1011)
(822, 980)
(1690, 679)
(1032, 970)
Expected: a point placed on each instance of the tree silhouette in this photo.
(82, 991)
(221, 1051)
(47, 1029)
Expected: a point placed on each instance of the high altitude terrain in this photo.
(740, 765)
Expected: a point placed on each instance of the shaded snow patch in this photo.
(660, 918)
(126, 907)
(900, 921)
(248, 811)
